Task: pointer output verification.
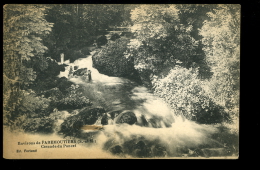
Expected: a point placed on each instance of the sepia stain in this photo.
(92, 127)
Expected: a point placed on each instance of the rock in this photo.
(80, 72)
(90, 116)
(102, 40)
(127, 34)
(116, 149)
(213, 152)
(114, 37)
(144, 121)
(159, 151)
(155, 123)
(141, 150)
(105, 119)
(85, 51)
(127, 117)
(114, 114)
(76, 67)
(73, 124)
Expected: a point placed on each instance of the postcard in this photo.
(121, 81)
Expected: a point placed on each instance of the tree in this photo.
(221, 40)
(186, 94)
(162, 39)
(24, 27)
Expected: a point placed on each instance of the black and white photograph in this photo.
(121, 81)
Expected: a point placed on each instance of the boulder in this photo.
(85, 51)
(105, 119)
(76, 67)
(114, 37)
(80, 72)
(141, 150)
(114, 114)
(102, 40)
(213, 152)
(159, 151)
(73, 124)
(127, 34)
(127, 117)
(116, 149)
(90, 116)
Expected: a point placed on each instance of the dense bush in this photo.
(42, 125)
(63, 84)
(54, 94)
(73, 55)
(185, 93)
(74, 99)
(31, 104)
(51, 69)
(221, 42)
(114, 61)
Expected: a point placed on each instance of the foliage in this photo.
(221, 39)
(31, 104)
(23, 25)
(194, 15)
(112, 59)
(162, 39)
(185, 93)
(36, 125)
(101, 16)
(73, 55)
(76, 26)
(25, 103)
(54, 94)
(74, 99)
(63, 84)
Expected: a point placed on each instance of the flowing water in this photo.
(156, 126)
(158, 132)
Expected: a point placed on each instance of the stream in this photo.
(157, 132)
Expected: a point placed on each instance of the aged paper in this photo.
(168, 90)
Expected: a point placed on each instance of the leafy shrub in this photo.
(54, 94)
(73, 55)
(74, 99)
(112, 60)
(43, 125)
(63, 84)
(221, 43)
(53, 69)
(185, 93)
(30, 104)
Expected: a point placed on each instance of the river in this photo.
(156, 126)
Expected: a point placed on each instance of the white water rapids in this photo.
(116, 93)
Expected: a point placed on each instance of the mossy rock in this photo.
(127, 117)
